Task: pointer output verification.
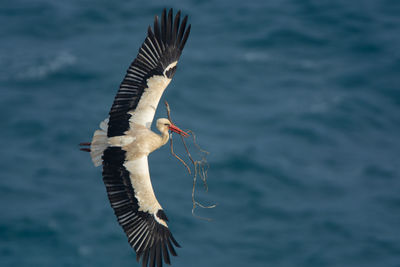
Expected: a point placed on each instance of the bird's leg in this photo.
(86, 149)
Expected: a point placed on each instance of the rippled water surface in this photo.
(298, 103)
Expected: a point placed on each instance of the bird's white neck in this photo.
(164, 138)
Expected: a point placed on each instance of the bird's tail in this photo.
(99, 143)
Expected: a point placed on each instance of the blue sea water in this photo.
(298, 103)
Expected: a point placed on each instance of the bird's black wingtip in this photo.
(169, 31)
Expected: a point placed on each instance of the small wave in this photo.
(53, 65)
(256, 57)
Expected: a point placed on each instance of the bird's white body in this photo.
(138, 142)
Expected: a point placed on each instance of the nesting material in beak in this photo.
(175, 129)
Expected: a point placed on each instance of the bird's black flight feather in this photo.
(160, 48)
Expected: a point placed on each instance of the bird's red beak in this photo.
(175, 129)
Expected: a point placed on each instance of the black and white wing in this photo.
(128, 181)
(149, 74)
(138, 211)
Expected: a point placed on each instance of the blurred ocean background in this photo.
(298, 103)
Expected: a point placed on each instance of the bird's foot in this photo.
(86, 149)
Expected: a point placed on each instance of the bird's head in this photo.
(163, 125)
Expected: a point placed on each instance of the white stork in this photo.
(124, 141)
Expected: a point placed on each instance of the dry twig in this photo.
(200, 167)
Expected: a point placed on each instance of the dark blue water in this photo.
(298, 103)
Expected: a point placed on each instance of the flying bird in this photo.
(125, 139)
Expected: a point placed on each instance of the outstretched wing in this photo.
(149, 74)
(128, 183)
(132, 197)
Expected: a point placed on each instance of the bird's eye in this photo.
(166, 124)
